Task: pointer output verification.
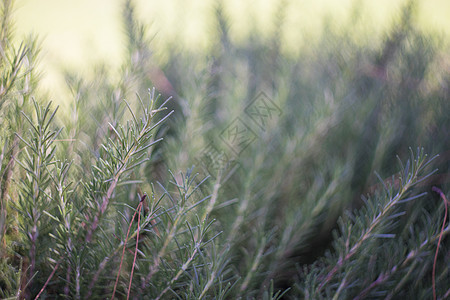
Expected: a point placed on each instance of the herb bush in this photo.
(243, 180)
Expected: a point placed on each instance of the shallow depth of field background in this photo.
(76, 34)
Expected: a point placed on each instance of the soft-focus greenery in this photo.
(77, 34)
(253, 170)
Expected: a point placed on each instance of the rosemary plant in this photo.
(243, 181)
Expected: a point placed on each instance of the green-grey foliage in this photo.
(160, 198)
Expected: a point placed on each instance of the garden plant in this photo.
(238, 172)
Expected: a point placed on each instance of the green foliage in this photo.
(375, 241)
(90, 208)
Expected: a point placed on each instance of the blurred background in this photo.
(75, 34)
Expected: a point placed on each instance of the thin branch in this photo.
(124, 247)
(437, 190)
(48, 280)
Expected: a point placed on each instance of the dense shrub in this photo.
(242, 180)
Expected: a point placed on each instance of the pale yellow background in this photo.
(77, 33)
